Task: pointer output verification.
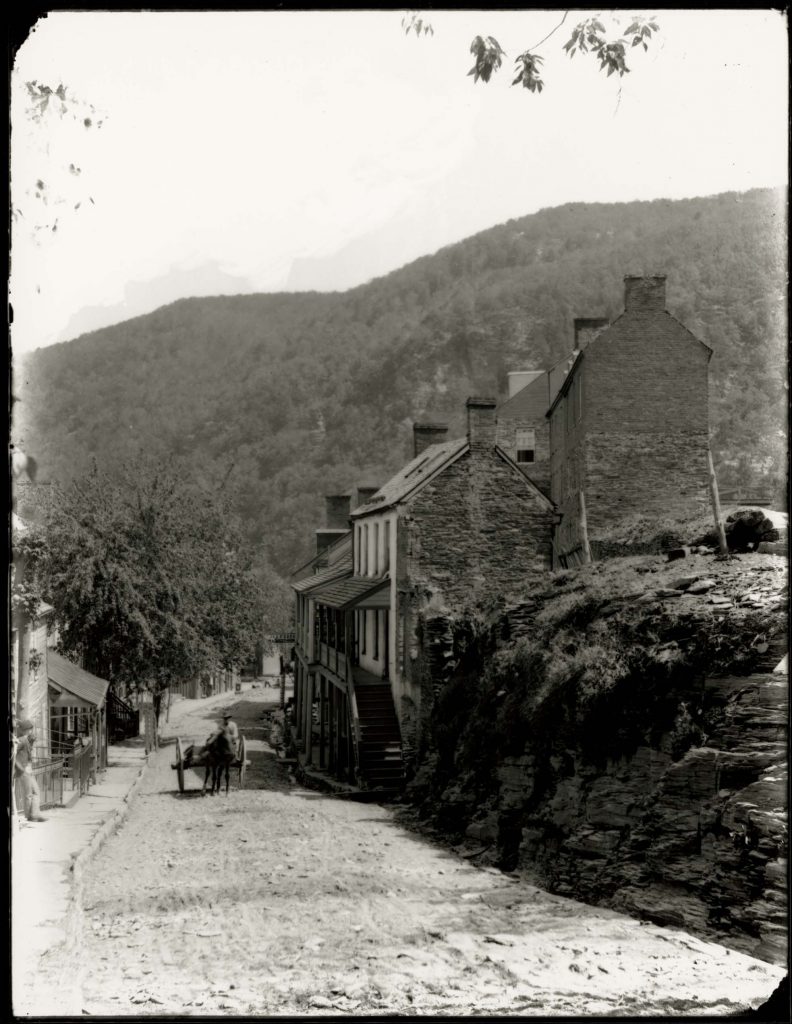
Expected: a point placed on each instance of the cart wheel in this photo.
(242, 762)
(180, 764)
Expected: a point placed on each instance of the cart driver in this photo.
(230, 729)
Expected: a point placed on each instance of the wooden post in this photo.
(322, 721)
(716, 509)
(583, 528)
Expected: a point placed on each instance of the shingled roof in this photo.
(413, 476)
(343, 567)
(351, 590)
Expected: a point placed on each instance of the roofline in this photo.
(452, 457)
(531, 485)
(567, 382)
(544, 380)
(320, 554)
(331, 579)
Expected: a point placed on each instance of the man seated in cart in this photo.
(196, 755)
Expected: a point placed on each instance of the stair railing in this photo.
(354, 718)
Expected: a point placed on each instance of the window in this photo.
(364, 551)
(375, 561)
(363, 624)
(386, 559)
(376, 635)
(525, 444)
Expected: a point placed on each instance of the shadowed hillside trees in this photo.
(308, 394)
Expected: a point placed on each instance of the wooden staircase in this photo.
(380, 763)
(123, 722)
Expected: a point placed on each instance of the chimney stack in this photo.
(519, 379)
(337, 511)
(426, 434)
(587, 328)
(481, 423)
(365, 494)
(644, 294)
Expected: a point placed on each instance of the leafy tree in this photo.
(148, 574)
(608, 46)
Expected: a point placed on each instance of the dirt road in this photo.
(277, 900)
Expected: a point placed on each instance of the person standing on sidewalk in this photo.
(23, 769)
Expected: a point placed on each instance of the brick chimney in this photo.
(587, 328)
(337, 506)
(519, 379)
(481, 431)
(426, 434)
(365, 494)
(644, 294)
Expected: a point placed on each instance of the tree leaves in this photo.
(148, 575)
(589, 36)
(413, 21)
(488, 56)
(528, 72)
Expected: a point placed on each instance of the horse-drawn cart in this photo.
(194, 756)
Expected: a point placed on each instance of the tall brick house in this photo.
(629, 426)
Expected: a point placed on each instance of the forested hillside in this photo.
(283, 398)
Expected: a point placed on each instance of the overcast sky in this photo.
(259, 151)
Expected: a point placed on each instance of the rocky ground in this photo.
(278, 900)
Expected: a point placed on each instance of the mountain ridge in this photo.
(305, 393)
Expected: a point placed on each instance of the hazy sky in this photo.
(234, 144)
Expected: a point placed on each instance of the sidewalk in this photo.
(47, 861)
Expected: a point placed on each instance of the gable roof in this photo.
(65, 675)
(413, 476)
(604, 335)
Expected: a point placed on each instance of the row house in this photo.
(459, 526)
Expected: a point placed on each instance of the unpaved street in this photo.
(278, 900)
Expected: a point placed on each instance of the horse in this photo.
(220, 755)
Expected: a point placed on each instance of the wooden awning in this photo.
(75, 687)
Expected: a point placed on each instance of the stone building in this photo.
(629, 433)
(459, 526)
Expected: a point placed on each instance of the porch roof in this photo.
(354, 592)
(71, 681)
(310, 583)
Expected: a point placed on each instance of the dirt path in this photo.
(277, 900)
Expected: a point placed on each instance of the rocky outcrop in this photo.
(620, 734)
(697, 840)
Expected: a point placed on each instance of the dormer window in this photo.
(526, 445)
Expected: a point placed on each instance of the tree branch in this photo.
(558, 26)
